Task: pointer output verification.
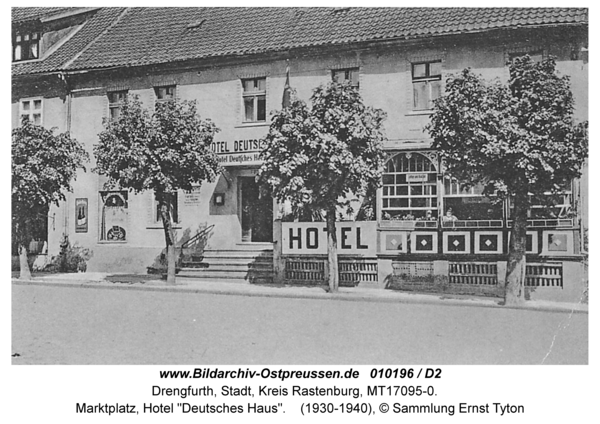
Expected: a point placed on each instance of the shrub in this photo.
(71, 258)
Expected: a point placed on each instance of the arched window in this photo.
(410, 188)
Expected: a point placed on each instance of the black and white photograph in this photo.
(271, 201)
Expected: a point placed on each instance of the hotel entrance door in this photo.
(256, 212)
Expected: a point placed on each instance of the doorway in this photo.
(256, 212)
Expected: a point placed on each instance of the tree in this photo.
(43, 166)
(519, 140)
(163, 151)
(320, 158)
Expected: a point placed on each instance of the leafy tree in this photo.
(322, 157)
(163, 151)
(518, 139)
(43, 166)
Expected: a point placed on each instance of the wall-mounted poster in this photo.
(81, 215)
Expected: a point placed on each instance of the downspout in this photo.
(63, 76)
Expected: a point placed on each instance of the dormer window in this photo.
(26, 46)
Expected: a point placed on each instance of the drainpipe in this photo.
(63, 76)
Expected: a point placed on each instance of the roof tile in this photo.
(158, 35)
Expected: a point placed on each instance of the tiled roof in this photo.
(145, 36)
(21, 14)
(60, 58)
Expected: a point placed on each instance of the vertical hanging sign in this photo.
(81, 215)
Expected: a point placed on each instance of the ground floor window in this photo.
(410, 188)
(549, 206)
(468, 203)
(173, 208)
(113, 216)
(415, 190)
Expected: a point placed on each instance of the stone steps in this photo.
(248, 264)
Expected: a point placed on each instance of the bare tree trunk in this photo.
(332, 260)
(25, 273)
(169, 238)
(514, 293)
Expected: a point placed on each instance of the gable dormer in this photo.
(37, 35)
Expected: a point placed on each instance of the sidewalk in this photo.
(190, 285)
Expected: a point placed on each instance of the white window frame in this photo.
(456, 192)
(254, 95)
(388, 188)
(428, 78)
(349, 74)
(115, 105)
(34, 37)
(30, 113)
(157, 90)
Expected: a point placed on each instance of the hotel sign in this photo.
(306, 238)
(238, 152)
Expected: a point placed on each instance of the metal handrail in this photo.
(197, 236)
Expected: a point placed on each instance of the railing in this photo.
(544, 275)
(473, 273)
(532, 223)
(304, 271)
(312, 270)
(355, 271)
(196, 237)
(475, 223)
(400, 223)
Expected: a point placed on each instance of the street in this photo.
(66, 325)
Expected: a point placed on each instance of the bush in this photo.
(71, 258)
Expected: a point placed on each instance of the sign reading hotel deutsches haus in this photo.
(238, 152)
(306, 238)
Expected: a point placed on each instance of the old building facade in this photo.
(73, 67)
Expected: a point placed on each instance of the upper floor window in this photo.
(31, 109)
(115, 103)
(341, 75)
(26, 46)
(427, 84)
(255, 99)
(165, 94)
